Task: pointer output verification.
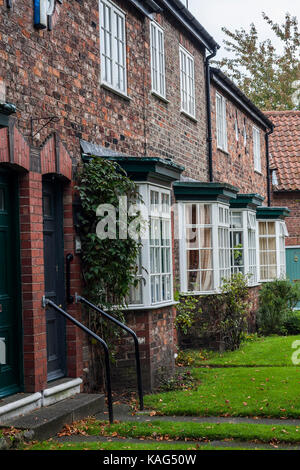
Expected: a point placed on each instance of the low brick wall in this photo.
(197, 339)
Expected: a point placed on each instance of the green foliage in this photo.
(268, 77)
(292, 324)
(185, 312)
(227, 322)
(182, 380)
(277, 299)
(109, 266)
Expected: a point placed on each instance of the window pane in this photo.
(192, 238)
(271, 228)
(191, 214)
(206, 280)
(205, 237)
(193, 281)
(193, 259)
(206, 259)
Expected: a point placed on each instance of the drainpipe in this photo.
(268, 165)
(208, 114)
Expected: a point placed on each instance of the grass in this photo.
(114, 446)
(266, 351)
(195, 431)
(235, 391)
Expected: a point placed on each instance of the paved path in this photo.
(123, 413)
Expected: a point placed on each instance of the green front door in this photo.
(293, 265)
(10, 347)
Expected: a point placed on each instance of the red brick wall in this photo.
(237, 166)
(57, 73)
(292, 201)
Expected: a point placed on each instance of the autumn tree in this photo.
(270, 77)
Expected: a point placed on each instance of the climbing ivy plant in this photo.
(109, 266)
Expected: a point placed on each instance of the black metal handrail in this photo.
(46, 302)
(79, 298)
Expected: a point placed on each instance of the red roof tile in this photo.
(285, 149)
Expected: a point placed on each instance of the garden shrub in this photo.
(227, 322)
(292, 324)
(186, 312)
(277, 299)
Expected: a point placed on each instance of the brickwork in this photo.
(290, 199)
(237, 166)
(57, 73)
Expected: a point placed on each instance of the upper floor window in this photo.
(221, 122)
(113, 46)
(256, 149)
(157, 59)
(187, 82)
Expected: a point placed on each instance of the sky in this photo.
(234, 14)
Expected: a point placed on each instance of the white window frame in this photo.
(221, 123)
(113, 47)
(163, 214)
(248, 230)
(157, 48)
(280, 234)
(218, 251)
(256, 149)
(187, 82)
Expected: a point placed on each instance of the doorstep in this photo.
(24, 403)
(47, 421)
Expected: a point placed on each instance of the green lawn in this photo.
(270, 387)
(195, 431)
(268, 351)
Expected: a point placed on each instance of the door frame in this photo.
(13, 182)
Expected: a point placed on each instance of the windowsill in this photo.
(160, 97)
(258, 172)
(186, 114)
(223, 151)
(116, 92)
(200, 294)
(150, 307)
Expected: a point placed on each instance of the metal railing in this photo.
(49, 302)
(79, 298)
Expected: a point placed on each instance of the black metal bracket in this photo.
(78, 298)
(69, 259)
(48, 303)
(49, 119)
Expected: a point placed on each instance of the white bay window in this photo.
(272, 235)
(204, 246)
(155, 274)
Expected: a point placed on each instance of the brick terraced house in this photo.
(285, 169)
(130, 81)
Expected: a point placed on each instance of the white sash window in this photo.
(187, 82)
(157, 59)
(113, 46)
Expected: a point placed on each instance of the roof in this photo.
(285, 149)
(182, 14)
(227, 85)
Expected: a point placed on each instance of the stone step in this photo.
(47, 421)
(23, 403)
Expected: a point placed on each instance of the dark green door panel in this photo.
(293, 265)
(10, 317)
